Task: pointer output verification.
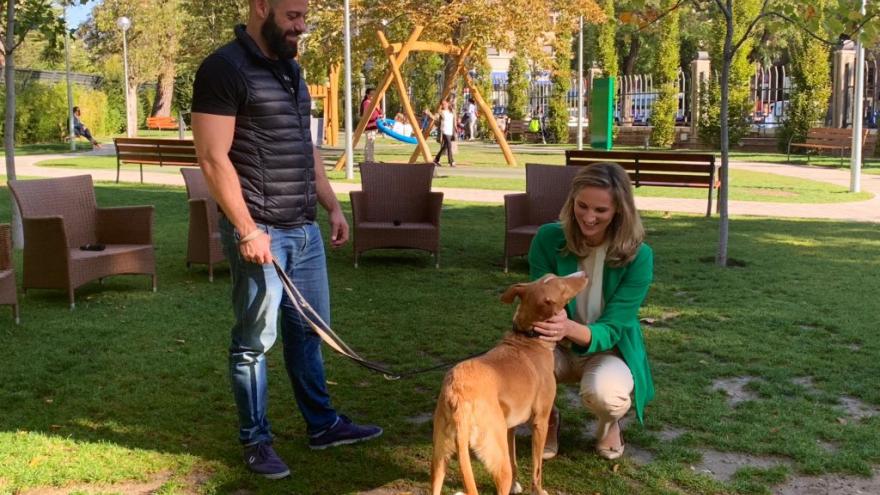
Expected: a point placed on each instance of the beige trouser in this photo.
(605, 384)
(369, 146)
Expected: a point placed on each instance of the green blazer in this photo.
(624, 289)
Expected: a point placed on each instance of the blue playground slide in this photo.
(385, 127)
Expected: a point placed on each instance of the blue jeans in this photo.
(257, 296)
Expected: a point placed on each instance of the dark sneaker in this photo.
(342, 433)
(260, 458)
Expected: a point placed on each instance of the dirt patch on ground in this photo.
(420, 419)
(190, 485)
(722, 465)
(735, 390)
(856, 409)
(394, 491)
(830, 484)
(805, 381)
(129, 488)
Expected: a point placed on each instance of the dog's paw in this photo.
(516, 489)
(539, 492)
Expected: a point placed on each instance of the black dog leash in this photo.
(337, 344)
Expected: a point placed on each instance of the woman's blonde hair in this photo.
(625, 232)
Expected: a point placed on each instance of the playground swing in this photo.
(386, 126)
(397, 54)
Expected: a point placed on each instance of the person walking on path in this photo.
(447, 134)
(251, 129)
(80, 129)
(372, 128)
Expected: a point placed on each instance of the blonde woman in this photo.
(600, 341)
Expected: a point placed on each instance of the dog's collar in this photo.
(530, 333)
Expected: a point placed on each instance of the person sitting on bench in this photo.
(80, 130)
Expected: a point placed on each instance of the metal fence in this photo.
(27, 76)
(769, 91)
(636, 95)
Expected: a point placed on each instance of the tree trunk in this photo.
(9, 125)
(727, 59)
(132, 110)
(164, 93)
(629, 61)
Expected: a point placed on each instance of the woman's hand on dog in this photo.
(559, 327)
(554, 328)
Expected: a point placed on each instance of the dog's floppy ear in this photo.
(512, 292)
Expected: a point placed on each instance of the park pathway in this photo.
(863, 211)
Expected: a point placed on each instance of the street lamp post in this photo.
(349, 148)
(855, 184)
(124, 23)
(67, 77)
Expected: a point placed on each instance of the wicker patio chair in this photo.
(547, 187)
(60, 216)
(395, 208)
(8, 295)
(203, 243)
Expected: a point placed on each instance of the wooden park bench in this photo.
(521, 128)
(161, 123)
(661, 169)
(827, 139)
(151, 151)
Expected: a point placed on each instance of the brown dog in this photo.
(485, 398)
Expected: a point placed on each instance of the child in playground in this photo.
(370, 131)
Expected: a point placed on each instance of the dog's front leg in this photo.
(515, 488)
(539, 438)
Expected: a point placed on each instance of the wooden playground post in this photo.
(490, 118)
(404, 98)
(386, 83)
(402, 50)
(334, 106)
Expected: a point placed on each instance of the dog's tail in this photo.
(462, 416)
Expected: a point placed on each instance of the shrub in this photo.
(518, 87)
(810, 92)
(666, 71)
(557, 117)
(41, 112)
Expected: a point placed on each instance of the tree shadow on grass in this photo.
(148, 371)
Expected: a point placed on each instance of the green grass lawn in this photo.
(132, 385)
(745, 185)
(44, 148)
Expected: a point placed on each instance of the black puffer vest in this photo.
(272, 147)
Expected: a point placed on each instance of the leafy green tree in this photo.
(422, 77)
(518, 87)
(741, 69)
(22, 18)
(811, 87)
(153, 47)
(666, 73)
(606, 42)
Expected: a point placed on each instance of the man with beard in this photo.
(251, 127)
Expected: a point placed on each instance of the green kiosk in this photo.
(602, 113)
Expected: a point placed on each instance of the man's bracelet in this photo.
(251, 236)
